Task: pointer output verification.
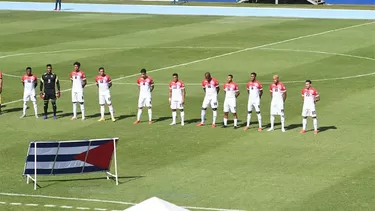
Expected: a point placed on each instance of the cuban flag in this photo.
(69, 157)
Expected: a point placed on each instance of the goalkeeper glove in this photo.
(58, 94)
(42, 95)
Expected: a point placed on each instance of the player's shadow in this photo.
(293, 126)
(121, 180)
(163, 118)
(245, 123)
(64, 114)
(325, 128)
(192, 121)
(121, 117)
(10, 110)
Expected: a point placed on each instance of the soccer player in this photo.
(211, 88)
(310, 96)
(177, 98)
(29, 82)
(78, 78)
(58, 2)
(1, 88)
(146, 86)
(255, 90)
(278, 94)
(231, 93)
(104, 83)
(49, 81)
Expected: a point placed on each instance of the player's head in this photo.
(144, 73)
(101, 71)
(28, 70)
(308, 84)
(175, 77)
(230, 78)
(253, 76)
(76, 65)
(207, 76)
(49, 68)
(276, 79)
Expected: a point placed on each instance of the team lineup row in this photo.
(50, 90)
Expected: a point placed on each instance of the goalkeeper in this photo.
(49, 81)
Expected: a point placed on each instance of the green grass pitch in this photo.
(190, 166)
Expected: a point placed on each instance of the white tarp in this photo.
(155, 204)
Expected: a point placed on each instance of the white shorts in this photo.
(144, 102)
(77, 97)
(253, 104)
(210, 101)
(308, 112)
(277, 109)
(177, 105)
(230, 105)
(105, 98)
(29, 96)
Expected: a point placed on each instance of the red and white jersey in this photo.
(145, 85)
(77, 78)
(103, 83)
(277, 91)
(309, 96)
(254, 89)
(29, 82)
(210, 87)
(176, 88)
(230, 90)
(1, 75)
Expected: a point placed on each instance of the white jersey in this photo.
(230, 90)
(176, 88)
(103, 83)
(29, 82)
(309, 96)
(277, 91)
(254, 89)
(210, 87)
(145, 85)
(77, 78)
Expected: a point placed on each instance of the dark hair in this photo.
(309, 81)
(28, 68)
(207, 73)
(49, 65)
(101, 68)
(230, 75)
(175, 74)
(77, 63)
(143, 70)
(253, 73)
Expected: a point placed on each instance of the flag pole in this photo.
(115, 156)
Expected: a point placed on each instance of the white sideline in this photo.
(226, 54)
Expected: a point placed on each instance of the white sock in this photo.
(82, 110)
(139, 114)
(260, 120)
(304, 123)
(282, 121)
(235, 122)
(272, 120)
(75, 110)
(225, 121)
(35, 108)
(203, 116)
(248, 120)
(149, 114)
(102, 110)
(24, 107)
(110, 108)
(315, 123)
(214, 115)
(182, 117)
(174, 116)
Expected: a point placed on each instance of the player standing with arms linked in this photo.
(310, 96)
(278, 94)
(78, 79)
(104, 83)
(231, 93)
(211, 88)
(49, 81)
(29, 82)
(255, 90)
(177, 98)
(146, 86)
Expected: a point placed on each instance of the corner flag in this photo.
(70, 157)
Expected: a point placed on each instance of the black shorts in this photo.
(49, 95)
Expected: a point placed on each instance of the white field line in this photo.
(2, 202)
(32, 205)
(52, 205)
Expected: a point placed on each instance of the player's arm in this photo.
(260, 93)
(284, 95)
(218, 88)
(23, 82)
(152, 86)
(317, 96)
(237, 93)
(183, 95)
(84, 81)
(170, 94)
(58, 83)
(1, 83)
(41, 84)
